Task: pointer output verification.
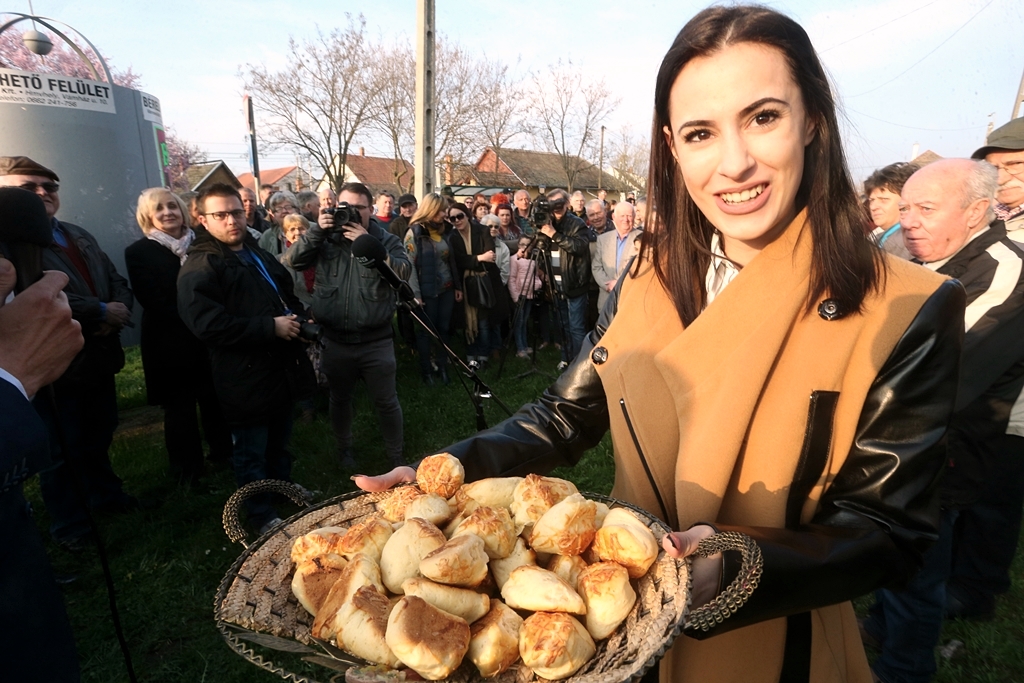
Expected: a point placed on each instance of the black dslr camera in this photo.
(311, 331)
(343, 213)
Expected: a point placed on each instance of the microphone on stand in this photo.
(371, 254)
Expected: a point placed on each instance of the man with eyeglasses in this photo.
(1005, 151)
(355, 305)
(86, 398)
(238, 300)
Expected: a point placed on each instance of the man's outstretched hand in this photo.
(382, 482)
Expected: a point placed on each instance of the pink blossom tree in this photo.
(61, 60)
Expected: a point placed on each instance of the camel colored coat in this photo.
(720, 411)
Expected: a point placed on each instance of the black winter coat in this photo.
(572, 237)
(231, 308)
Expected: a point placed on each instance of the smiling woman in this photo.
(763, 368)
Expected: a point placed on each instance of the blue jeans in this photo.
(574, 322)
(908, 622)
(261, 452)
(481, 346)
(438, 310)
(520, 325)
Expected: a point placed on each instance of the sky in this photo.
(926, 73)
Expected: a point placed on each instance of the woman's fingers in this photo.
(382, 482)
(684, 543)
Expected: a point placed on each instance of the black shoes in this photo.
(982, 610)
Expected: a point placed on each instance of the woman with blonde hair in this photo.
(175, 362)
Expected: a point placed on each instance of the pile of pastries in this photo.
(493, 571)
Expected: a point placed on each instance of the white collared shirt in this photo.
(721, 271)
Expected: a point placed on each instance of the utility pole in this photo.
(425, 34)
(1017, 102)
(254, 159)
(600, 161)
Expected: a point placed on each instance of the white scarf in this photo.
(179, 247)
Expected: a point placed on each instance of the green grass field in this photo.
(168, 562)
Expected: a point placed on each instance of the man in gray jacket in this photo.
(355, 305)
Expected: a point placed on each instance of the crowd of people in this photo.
(694, 327)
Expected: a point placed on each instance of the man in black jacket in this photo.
(238, 300)
(569, 234)
(86, 398)
(949, 225)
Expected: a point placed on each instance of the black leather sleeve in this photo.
(881, 511)
(570, 417)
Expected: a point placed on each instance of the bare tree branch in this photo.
(501, 114)
(630, 157)
(394, 114)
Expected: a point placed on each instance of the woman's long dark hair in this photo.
(844, 265)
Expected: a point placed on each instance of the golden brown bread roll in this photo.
(442, 474)
(401, 557)
(568, 568)
(430, 507)
(493, 492)
(462, 602)
(554, 645)
(367, 537)
(314, 578)
(535, 495)
(494, 526)
(393, 507)
(317, 542)
(426, 639)
(361, 571)
(538, 590)
(567, 528)
(608, 595)
(494, 640)
(521, 555)
(602, 511)
(462, 561)
(626, 540)
(362, 624)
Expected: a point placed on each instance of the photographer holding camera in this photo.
(238, 300)
(570, 266)
(355, 305)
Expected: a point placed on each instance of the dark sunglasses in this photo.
(49, 188)
(457, 216)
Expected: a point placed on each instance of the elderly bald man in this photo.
(614, 248)
(948, 222)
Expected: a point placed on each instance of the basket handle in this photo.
(233, 526)
(736, 594)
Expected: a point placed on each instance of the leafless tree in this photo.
(630, 157)
(323, 97)
(500, 114)
(394, 111)
(457, 93)
(567, 110)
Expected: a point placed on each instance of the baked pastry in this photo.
(567, 528)
(426, 639)
(314, 578)
(494, 640)
(430, 507)
(317, 542)
(602, 511)
(362, 624)
(462, 602)
(568, 568)
(393, 507)
(521, 555)
(626, 540)
(367, 537)
(494, 526)
(493, 492)
(401, 557)
(361, 571)
(462, 561)
(608, 595)
(554, 645)
(538, 590)
(442, 474)
(535, 495)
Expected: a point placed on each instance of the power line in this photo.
(900, 125)
(900, 74)
(879, 26)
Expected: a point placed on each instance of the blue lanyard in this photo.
(887, 234)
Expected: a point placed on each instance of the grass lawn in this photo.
(168, 562)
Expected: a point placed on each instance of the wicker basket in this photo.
(255, 610)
